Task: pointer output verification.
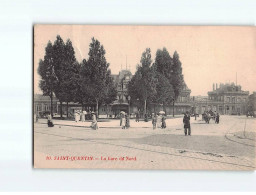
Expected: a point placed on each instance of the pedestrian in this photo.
(127, 121)
(163, 122)
(217, 118)
(83, 116)
(186, 122)
(137, 117)
(158, 121)
(122, 120)
(37, 117)
(76, 117)
(49, 120)
(154, 121)
(94, 124)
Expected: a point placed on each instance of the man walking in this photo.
(217, 120)
(137, 117)
(186, 122)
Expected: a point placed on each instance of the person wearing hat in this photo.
(163, 126)
(186, 122)
(94, 124)
(217, 120)
(49, 118)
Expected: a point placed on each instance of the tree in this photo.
(81, 81)
(69, 73)
(46, 71)
(64, 61)
(177, 76)
(110, 92)
(143, 85)
(164, 91)
(97, 73)
(171, 69)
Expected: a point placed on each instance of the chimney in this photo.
(213, 87)
(216, 86)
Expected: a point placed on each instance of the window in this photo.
(233, 99)
(228, 99)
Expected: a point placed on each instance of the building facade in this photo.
(181, 105)
(43, 104)
(227, 99)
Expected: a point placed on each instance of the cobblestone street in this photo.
(229, 145)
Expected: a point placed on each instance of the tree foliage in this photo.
(142, 86)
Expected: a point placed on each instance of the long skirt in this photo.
(50, 124)
(158, 122)
(83, 118)
(94, 125)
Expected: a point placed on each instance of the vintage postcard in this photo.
(144, 97)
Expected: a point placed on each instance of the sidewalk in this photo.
(111, 123)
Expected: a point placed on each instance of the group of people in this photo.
(158, 121)
(80, 116)
(208, 115)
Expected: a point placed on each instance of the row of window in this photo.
(44, 107)
(228, 99)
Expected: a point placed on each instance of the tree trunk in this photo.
(67, 109)
(97, 108)
(107, 110)
(51, 105)
(61, 110)
(145, 107)
(164, 108)
(173, 108)
(82, 106)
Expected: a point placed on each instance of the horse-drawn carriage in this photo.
(251, 114)
(208, 115)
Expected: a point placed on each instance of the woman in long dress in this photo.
(158, 121)
(49, 119)
(77, 117)
(122, 121)
(83, 116)
(94, 124)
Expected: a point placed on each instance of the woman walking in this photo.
(122, 120)
(50, 123)
(94, 124)
(154, 121)
(158, 121)
(163, 122)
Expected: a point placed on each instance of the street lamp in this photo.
(128, 118)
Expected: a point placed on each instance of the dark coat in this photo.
(186, 121)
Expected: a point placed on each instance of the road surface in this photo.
(229, 145)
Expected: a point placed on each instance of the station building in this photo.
(227, 99)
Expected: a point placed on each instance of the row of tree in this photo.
(157, 83)
(88, 82)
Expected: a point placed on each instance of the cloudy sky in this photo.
(208, 54)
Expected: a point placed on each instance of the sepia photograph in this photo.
(140, 97)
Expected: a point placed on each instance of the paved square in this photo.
(229, 145)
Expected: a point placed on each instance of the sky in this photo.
(209, 54)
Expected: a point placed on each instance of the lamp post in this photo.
(128, 118)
